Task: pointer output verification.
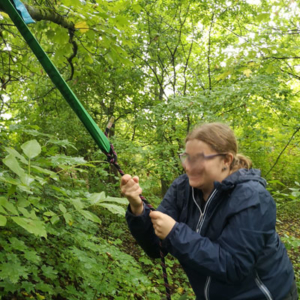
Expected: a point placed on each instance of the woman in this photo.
(218, 220)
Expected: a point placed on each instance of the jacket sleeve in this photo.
(141, 226)
(233, 255)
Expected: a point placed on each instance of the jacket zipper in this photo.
(200, 223)
(263, 288)
(206, 208)
(206, 288)
(202, 214)
(198, 230)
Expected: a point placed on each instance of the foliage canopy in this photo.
(159, 68)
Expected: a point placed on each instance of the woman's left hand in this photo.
(162, 224)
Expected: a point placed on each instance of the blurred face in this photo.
(202, 167)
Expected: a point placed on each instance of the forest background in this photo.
(159, 68)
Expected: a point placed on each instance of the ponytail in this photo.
(241, 161)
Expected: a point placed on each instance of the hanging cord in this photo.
(112, 159)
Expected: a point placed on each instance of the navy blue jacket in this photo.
(229, 251)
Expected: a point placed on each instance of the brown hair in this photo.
(221, 138)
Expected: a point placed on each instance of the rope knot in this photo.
(112, 155)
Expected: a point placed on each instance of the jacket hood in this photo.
(240, 176)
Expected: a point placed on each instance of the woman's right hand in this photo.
(131, 189)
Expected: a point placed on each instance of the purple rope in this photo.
(112, 159)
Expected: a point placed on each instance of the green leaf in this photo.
(117, 200)
(223, 75)
(45, 171)
(115, 209)
(31, 148)
(41, 180)
(60, 190)
(12, 271)
(263, 17)
(27, 214)
(72, 2)
(17, 183)
(109, 58)
(22, 202)
(17, 154)
(62, 208)
(67, 160)
(32, 257)
(68, 219)
(90, 216)
(9, 180)
(49, 213)
(54, 220)
(137, 8)
(25, 189)
(49, 272)
(62, 143)
(270, 69)
(2, 210)
(18, 244)
(26, 179)
(35, 133)
(5, 15)
(8, 206)
(77, 204)
(97, 197)
(121, 21)
(46, 288)
(183, 297)
(28, 286)
(33, 226)
(11, 190)
(24, 212)
(277, 182)
(11, 162)
(3, 220)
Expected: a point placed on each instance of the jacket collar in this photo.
(240, 176)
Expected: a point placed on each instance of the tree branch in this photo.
(208, 53)
(293, 75)
(51, 15)
(47, 14)
(295, 132)
(273, 57)
(70, 58)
